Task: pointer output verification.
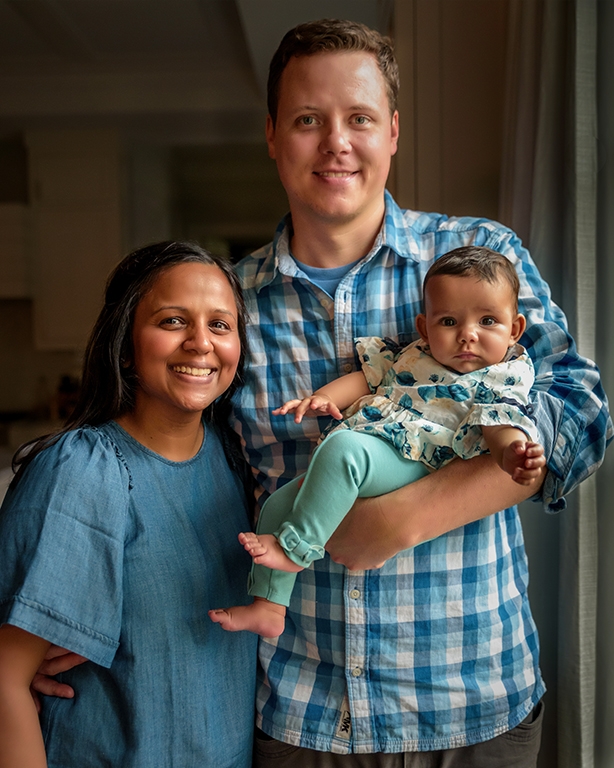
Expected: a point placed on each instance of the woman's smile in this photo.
(186, 341)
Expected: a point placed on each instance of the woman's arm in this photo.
(21, 741)
(378, 528)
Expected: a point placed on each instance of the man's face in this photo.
(334, 137)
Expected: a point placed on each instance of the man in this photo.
(436, 653)
(432, 659)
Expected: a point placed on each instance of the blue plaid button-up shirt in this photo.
(438, 648)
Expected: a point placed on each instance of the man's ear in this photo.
(270, 136)
(421, 327)
(394, 133)
(518, 327)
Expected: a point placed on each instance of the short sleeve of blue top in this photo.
(117, 553)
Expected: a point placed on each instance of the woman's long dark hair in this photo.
(108, 384)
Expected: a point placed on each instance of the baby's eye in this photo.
(489, 321)
(448, 321)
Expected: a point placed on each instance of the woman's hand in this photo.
(56, 660)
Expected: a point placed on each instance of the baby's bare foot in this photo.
(262, 617)
(267, 551)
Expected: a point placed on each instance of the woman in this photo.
(119, 533)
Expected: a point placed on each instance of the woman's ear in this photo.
(518, 327)
(421, 327)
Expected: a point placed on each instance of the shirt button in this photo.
(356, 672)
(348, 367)
(355, 593)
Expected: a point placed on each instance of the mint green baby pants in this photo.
(345, 466)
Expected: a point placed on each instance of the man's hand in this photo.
(314, 405)
(57, 660)
(368, 541)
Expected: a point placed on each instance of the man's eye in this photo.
(361, 120)
(307, 120)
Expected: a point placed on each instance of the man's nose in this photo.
(336, 139)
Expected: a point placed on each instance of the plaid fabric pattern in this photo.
(438, 648)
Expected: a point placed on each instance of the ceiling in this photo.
(168, 71)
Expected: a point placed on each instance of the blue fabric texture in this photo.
(117, 553)
(438, 648)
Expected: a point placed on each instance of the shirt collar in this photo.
(394, 234)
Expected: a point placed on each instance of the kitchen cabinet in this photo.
(76, 188)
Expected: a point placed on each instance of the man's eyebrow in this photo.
(362, 107)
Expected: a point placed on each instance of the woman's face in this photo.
(186, 341)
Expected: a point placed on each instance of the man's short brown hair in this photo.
(331, 36)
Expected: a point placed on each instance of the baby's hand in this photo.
(316, 405)
(523, 460)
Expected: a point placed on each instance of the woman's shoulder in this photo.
(82, 455)
(80, 476)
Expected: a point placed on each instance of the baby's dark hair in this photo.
(479, 262)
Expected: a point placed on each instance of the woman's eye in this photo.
(172, 322)
(220, 325)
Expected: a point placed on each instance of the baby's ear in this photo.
(518, 327)
(421, 327)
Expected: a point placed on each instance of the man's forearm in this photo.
(460, 493)
(457, 494)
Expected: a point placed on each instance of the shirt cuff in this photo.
(560, 436)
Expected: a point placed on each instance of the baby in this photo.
(460, 391)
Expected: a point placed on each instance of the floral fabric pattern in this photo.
(431, 413)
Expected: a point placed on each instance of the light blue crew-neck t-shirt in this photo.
(117, 553)
(326, 278)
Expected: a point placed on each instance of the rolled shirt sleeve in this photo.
(569, 404)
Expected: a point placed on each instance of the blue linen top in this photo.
(431, 413)
(117, 553)
(438, 648)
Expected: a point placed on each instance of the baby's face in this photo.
(469, 323)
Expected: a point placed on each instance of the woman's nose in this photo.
(199, 341)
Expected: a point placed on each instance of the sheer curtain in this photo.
(604, 742)
(549, 195)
